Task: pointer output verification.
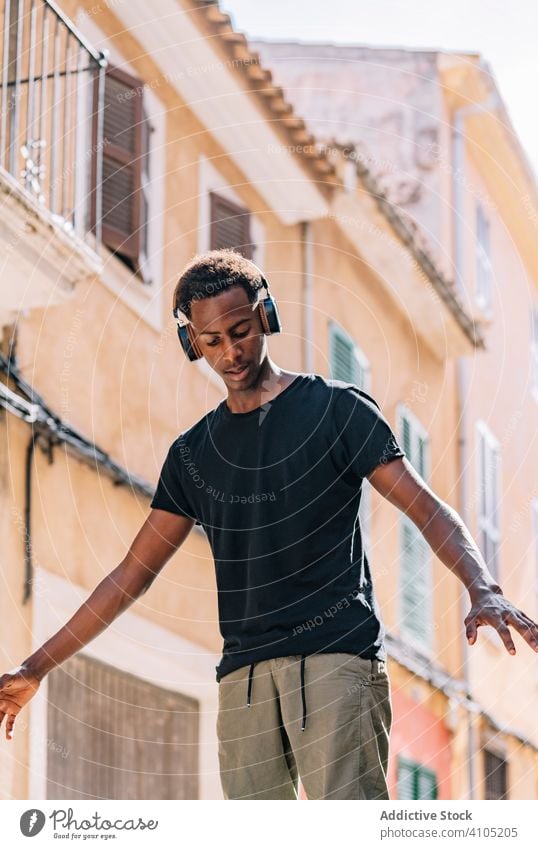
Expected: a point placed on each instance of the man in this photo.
(273, 474)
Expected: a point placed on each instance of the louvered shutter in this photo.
(115, 736)
(125, 154)
(483, 259)
(406, 779)
(534, 350)
(415, 554)
(495, 775)
(415, 781)
(145, 183)
(489, 490)
(426, 784)
(415, 583)
(230, 226)
(344, 365)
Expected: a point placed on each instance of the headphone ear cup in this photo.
(269, 316)
(188, 342)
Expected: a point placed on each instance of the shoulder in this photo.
(341, 392)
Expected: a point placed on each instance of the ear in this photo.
(263, 317)
(193, 339)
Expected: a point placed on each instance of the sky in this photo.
(503, 32)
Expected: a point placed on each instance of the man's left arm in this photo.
(447, 535)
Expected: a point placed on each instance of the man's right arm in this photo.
(159, 537)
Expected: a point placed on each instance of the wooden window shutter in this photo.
(115, 736)
(495, 771)
(230, 226)
(125, 168)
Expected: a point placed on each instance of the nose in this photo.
(232, 354)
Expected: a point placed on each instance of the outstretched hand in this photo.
(494, 609)
(16, 690)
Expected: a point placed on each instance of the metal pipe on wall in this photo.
(308, 295)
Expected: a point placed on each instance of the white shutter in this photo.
(416, 590)
(483, 260)
(534, 508)
(489, 487)
(534, 350)
(406, 780)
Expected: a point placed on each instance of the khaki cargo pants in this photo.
(323, 717)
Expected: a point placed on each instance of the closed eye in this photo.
(237, 336)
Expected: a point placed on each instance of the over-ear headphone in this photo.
(267, 309)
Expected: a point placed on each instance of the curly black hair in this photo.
(210, 273)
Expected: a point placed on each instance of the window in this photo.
(229, 226)
(534, 511)
(489, 476)
(495, 776)
(113, 735)
(415, 781)
(125, 176)
(416, 615)
(347, 361)
(350, 364)
(534, 351)
(483, 260)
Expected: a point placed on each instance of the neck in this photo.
(270, 381)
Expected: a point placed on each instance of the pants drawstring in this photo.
(249, 691)
(303, 694)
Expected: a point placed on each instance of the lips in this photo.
(237, 372)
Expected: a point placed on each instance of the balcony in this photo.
(52, 85)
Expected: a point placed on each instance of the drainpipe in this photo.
(308, 295)
(458, 160)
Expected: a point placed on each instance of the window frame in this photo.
(146, 300)
(130, 249)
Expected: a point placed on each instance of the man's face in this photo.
(230, 336)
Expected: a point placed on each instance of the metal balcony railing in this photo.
(51, 115)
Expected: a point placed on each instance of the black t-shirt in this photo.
(277, 491)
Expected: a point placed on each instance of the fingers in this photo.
(526, 627)
(506, 637)
(8, 710)
(10, 722)
(471, 632)
(9, 726)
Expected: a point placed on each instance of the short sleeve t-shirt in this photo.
(277, 491)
